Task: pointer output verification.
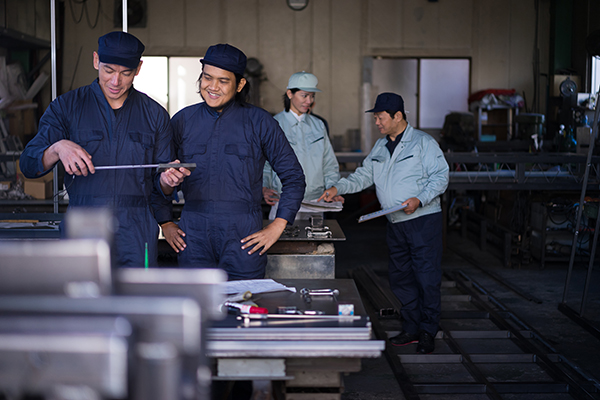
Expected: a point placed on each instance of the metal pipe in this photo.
(124, 15)
(588, 276)
(53, 66)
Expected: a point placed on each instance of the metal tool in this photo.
(319, 292)
(318, 233)
(159, 167)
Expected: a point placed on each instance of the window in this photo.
(171, 81)
(595, 75)
(431, 89)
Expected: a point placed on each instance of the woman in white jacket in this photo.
(308, 137)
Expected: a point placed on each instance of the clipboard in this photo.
(381, 213)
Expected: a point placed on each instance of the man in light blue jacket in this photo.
(408, 168)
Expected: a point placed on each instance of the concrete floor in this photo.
(365, 246)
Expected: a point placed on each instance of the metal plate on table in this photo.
(301, 230)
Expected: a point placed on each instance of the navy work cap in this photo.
(120, 48)
(226, 57)
(388, 102)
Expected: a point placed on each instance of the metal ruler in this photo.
(159, 167)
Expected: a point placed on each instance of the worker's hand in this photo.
(339, 198)
(329, 194)
(76, 160)
(265, 238)
(271, 196)
(173, 177)
(174, 236)
(411, 205)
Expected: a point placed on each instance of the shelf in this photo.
(510, 112)
(11, 39)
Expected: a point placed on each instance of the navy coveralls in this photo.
(138, 133)
(223, 194)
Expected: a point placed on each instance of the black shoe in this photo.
(426, 343)
(404, 338)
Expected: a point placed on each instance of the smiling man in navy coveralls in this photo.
(110, 123)
(408, 168)
(229, 140)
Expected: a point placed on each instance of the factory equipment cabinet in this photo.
(551, 231)
(499, 122)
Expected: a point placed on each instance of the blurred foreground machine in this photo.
(72, 328)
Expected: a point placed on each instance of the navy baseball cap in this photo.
(226, 57)
(120, 48)
(388, 102)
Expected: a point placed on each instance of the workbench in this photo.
(304, 252)
(301, 353)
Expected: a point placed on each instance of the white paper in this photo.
(381, 213)
(254, 286)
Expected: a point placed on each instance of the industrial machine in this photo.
(305, 250)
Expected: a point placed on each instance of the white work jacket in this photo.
(416, 169)
(313, 149)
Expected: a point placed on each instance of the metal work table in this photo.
(302, 253)
(30, 225)
(310, 352)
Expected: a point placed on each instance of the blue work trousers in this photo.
(214, 231)
(415, 271)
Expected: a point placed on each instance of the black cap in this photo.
(226, 57)
(388, 102)
(120, 48)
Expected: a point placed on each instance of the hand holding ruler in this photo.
(381, 213)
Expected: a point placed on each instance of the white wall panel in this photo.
(420, 24)
(346, 65)
(331, 38)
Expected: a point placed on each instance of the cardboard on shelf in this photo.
(38, 188)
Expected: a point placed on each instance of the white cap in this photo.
(303, 81)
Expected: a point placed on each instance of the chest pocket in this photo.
(322, 138)
(378, 165)
(243, 151)
(146, 140)
(190, 151)
(141, 147)
(404, 158)
(90, 140)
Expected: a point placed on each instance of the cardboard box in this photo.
(39, 188)
(22, 120)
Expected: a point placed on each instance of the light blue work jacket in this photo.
(313, 149)
(416, 169)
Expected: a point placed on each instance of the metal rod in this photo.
(53, 66)
(588, 276)
(126, 166)
(264, 317)
(581, 200)
(124, 15)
